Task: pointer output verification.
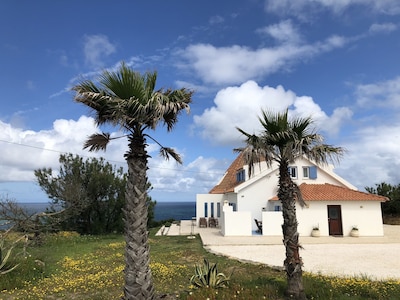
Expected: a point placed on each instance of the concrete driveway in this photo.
(374, 257)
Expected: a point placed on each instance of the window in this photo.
(212, 209)
(306, 172)
(218, 209)
(206, 209)
(293, 172)
(277, 208)
(310, 172)
(240, 175)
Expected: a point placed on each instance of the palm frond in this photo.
(298, 195)
(285, 139)
(323, 153)
(167, 152)
(97, 142)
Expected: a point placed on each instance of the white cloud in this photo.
(373, 156)
(236, 64)
(239, 107)
(30, 85)
(300, 8)
(96, 48)
(23, 151)
(198, 89)
(306, 107)
(384, 27)
(196, 177)
(283, 32)
(381, 94)
(216, 20)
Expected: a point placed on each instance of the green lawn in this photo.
(68, 266)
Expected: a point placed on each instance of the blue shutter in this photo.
(313, 173)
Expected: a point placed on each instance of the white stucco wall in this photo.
(254, 199)
(235, 223)
(272, 223)
(366, 215)
(201, 199)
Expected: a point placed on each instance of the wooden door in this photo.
(335, 220)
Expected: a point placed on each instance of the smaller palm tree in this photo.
(283, 140)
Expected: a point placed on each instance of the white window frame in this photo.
(306, 172)
(293, 172)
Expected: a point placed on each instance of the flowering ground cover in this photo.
(69, 266)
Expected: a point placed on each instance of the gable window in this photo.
(240, 175)
(293, 172)
(310, 172)
(306, 172)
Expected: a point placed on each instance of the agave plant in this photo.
(4, 259)
(207, 275)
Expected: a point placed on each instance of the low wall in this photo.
(272, 222)
(236, 223)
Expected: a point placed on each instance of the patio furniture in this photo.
(202, 222)
(212, 222)
(259, 225)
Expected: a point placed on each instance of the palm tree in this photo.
(282, 140)
(127, 99)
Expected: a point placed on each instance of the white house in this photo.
(332, 204)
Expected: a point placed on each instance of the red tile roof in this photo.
(228, 182)
(330, 192)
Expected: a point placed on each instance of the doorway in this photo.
(335, 220)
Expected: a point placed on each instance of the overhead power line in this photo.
(111, 161)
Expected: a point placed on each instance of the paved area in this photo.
(374, 257)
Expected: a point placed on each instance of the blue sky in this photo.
(337, 61)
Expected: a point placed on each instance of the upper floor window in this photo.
(310, 172)
(306, 172)
(240, 175)
(293, 172)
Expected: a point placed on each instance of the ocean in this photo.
(162, 211)
(174, 210)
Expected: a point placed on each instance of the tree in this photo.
(151, 204)
(90, 192)
(128, 99)
(282, 140)
(391, 207)
(19, 218)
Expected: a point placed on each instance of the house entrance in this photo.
(335, 220)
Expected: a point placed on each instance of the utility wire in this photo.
(111, 161)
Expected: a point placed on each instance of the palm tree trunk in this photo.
(293, 261)
(138, 277)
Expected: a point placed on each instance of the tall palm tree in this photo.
(128, 99)
(282, 140)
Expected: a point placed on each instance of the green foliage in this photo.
(22, 219)
(91, 194)
(5, 254)
(207, 275)
(4, 269)
(89, 267)
(391, 207)
(150, 208)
